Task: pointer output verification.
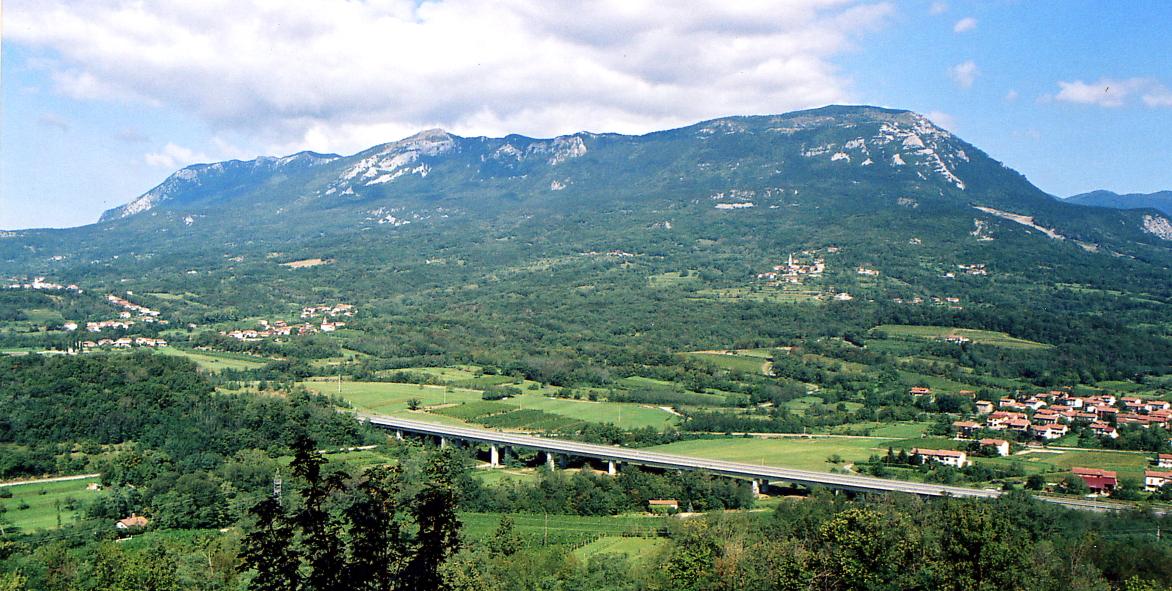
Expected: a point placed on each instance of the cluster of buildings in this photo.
(1156, 479)
(1050, 416)
(794, 270)
(1105, 481)
(326, 311)
(974, 269)
(131, 307)
(124, 343)
(280, 328)
(40, 284)
(953, 303)
(126, 317)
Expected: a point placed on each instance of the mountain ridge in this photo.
(835, 172)
(1158, 200)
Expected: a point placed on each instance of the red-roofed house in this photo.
(1105, 411)
(1104, 430)
(920, 391)
(984, 407)
(1001, 445)
(132, 522)
(1164, 460)
(1050, 432)
(1154, 480)
(1099, 481)
(948, 457)
(965, 428)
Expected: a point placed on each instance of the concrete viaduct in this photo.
(759, 475)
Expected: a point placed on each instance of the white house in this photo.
(1001, 445)
(948, 457)
(1154, 480)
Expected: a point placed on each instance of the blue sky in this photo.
(103, 100)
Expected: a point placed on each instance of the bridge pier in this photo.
(494, 456)
(443, 442)
(612, 467)
(550, 461)
(398, 434)
(758, 487)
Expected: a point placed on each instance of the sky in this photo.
(104, 99)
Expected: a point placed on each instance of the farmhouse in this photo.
(1049, 432)
(1099, 481)
(948, 457)
(1000, 445)
(1164, 460)
(984, 407)
(134, 521)
(1154, 481)
(965, 428)
(1104, 430)
(920, 391)
(659, 505)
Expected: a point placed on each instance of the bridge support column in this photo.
(398, 435)
(612, 467)
(494, 456)
(756, 488)
(443, 442)
(550, 461)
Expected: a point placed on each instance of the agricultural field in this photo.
(761, 294)
(392, 398)
(637, 549)
(674, 279)
(574, 530)
(217, 360)
(388, 397)
(791, 452)
(735, 361)
(46, 501)
(980, 337)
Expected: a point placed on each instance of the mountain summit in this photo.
(840, 172)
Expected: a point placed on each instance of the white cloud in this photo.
(342, 76)
(964, 74)
(967, 23)
(942, 119)
(938, 8)
(174, 156)
(132, 135)
(48, 119)
(1158, 96)
(1108, 92)
(1011, 96)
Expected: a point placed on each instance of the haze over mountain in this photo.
(1160, 200)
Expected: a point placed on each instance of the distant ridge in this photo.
(1160, 200)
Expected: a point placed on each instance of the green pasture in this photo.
(637, 549)
(44, 499)
(789, 452)
(217, 360)
(981, 337)
(392, 398)
(574, 530)
(736, 362)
